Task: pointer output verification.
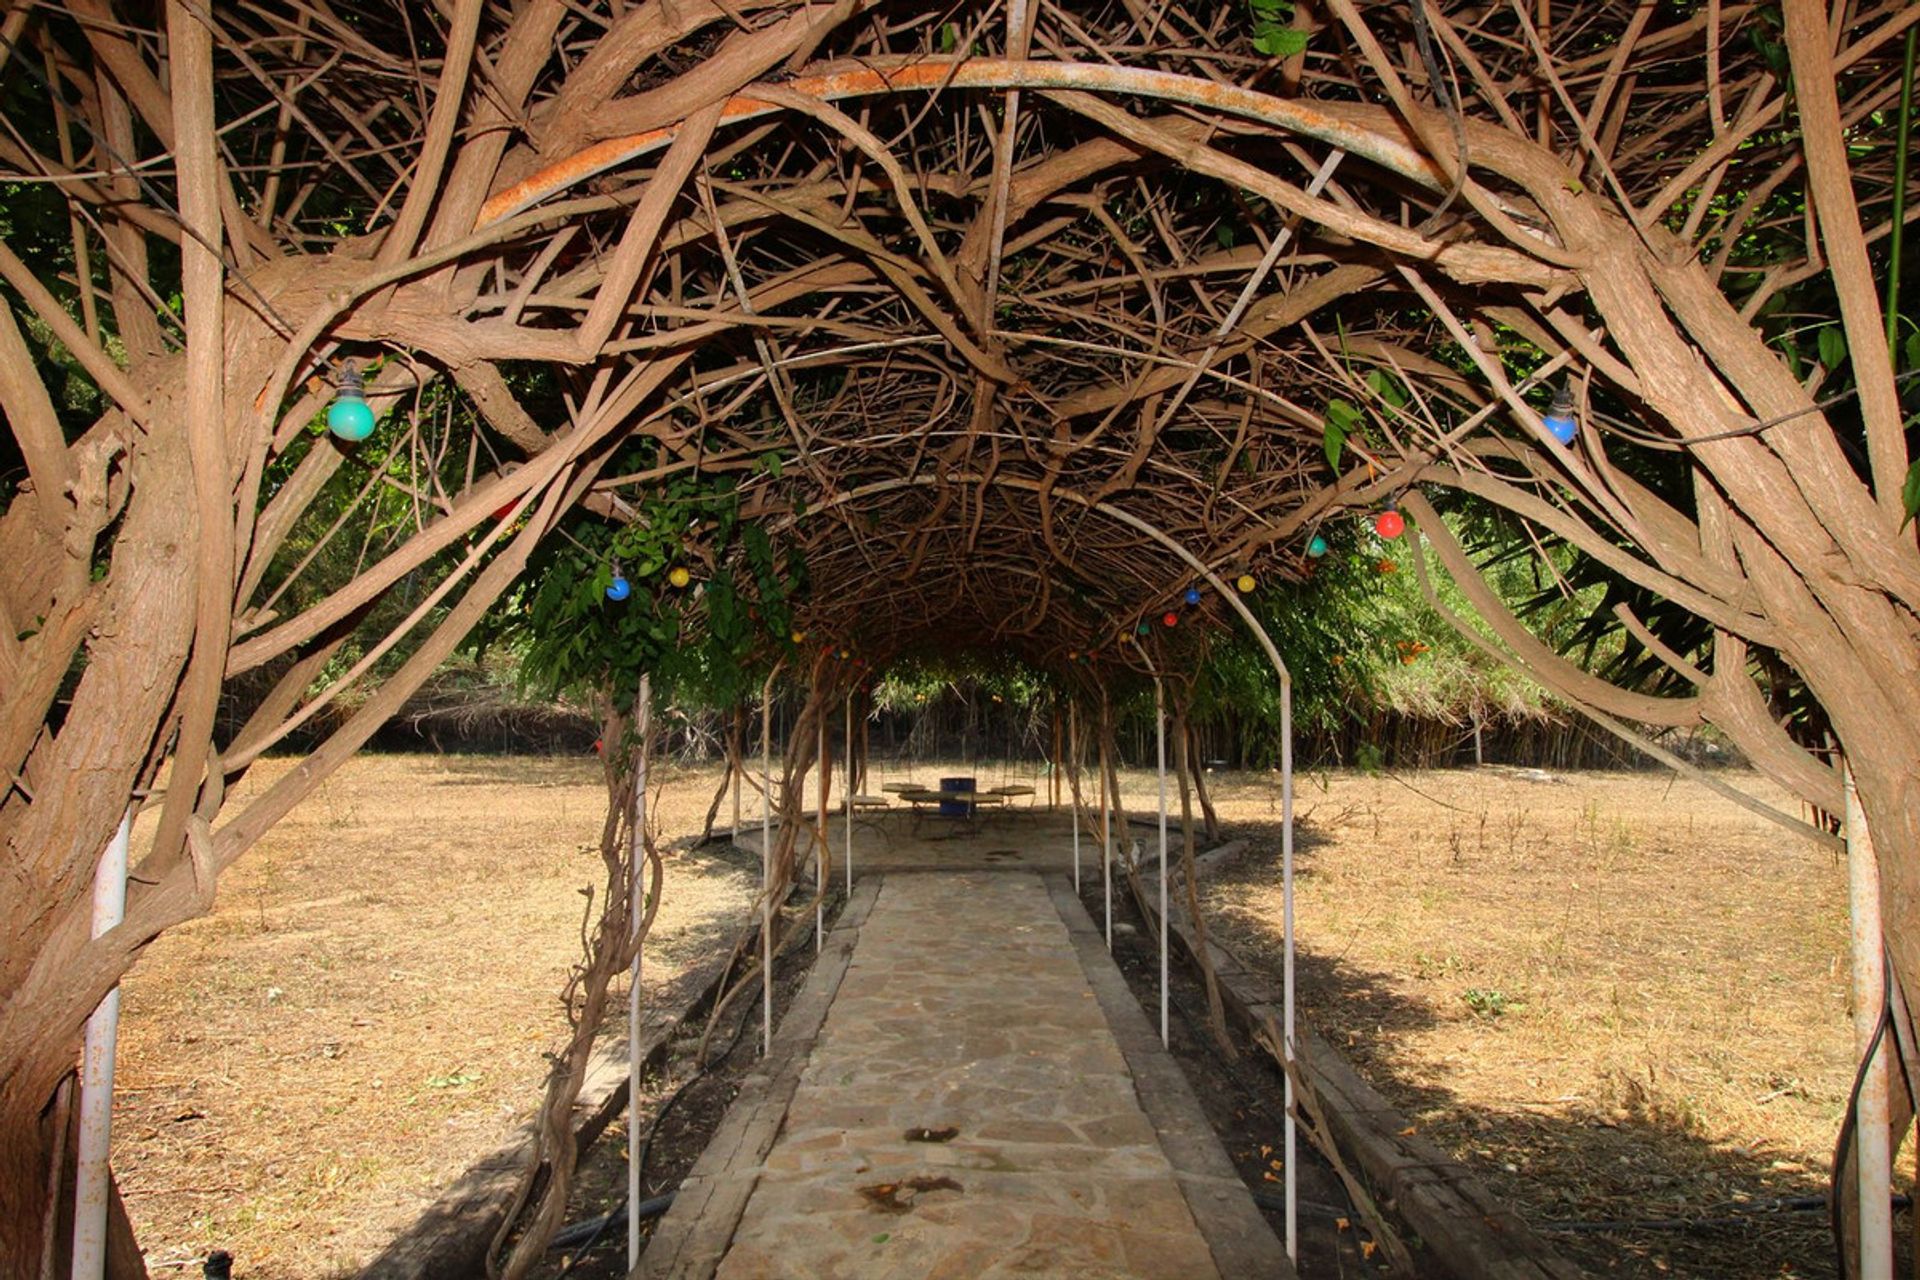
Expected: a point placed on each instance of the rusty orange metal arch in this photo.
(882, 76)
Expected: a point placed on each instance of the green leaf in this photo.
(1383, 385)
(1277, 41)
(1913, 351)
(1832, 346)
(1343, 419)
(1910, 494)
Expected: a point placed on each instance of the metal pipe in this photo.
(90, 1191)
(1106, 821)
(637, 907)
(766, 863)
(1286, 896)
(849, 793)
(820, 846)
(1160, 752)
(734, 768)
(1873, 1159)
(1073, 775)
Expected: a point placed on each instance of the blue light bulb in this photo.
(619, 588)
(1192, 596)
(349, 417)
(1560, 421)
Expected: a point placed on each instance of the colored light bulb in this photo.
(1316, 546)
(1170, 619)
(1245, 583)
(619, 588)
(679, 577)
(1192, 595)
(349, 417)
(1144, 627)
(1390, 523)
(1560, 421)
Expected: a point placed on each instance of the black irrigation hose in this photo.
(591, 1230)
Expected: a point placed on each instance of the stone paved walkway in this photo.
(967, 1005)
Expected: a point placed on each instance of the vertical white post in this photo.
(1873, 1159)
(766, 866)
(96, 1074)
(1286, 895)
(1106, 823)
(849, 793)
(820, 846)
(1160, 747)
(736, 768)
(1073, 766)
(637, 907)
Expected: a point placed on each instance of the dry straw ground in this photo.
(367, 1008)
(1615, 996)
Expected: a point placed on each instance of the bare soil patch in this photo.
(369, 1006)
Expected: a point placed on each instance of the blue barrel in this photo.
(956, 808)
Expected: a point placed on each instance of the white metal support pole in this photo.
(847, 801)
(1873, 1159)
(96, 1074)
(637, 908)
(820, 846)
(1160, 747)
(1286, 894)
(1106, 823)
(766, 865)
(736, 767)
(1073, 765)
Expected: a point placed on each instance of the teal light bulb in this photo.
(349, 417)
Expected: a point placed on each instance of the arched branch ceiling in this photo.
(1023, 258)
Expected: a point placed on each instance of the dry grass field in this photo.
(1615, 995)
(367, 1009)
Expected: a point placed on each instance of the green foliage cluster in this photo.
(707, 643)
